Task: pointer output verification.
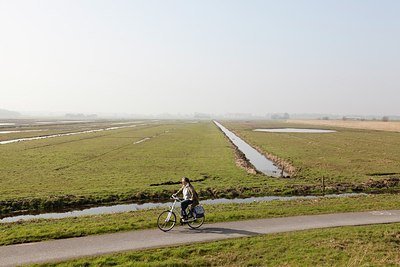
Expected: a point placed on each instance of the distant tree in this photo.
(7, 114)
(344, 118)
(325, 118)
(385, 118)
(280, 116)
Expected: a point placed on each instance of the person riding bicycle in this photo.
(190, 197)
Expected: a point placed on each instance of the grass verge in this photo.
(38, 230)
(373, 245)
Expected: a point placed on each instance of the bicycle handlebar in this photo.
(176, 198)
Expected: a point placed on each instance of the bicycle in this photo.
(167, 219)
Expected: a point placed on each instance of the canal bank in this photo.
(255, 159)
(151, 205)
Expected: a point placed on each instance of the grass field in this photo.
(393, 126)
(139, 163)
(111, 166)
(376, 245)
(31, 231)
(346, 156)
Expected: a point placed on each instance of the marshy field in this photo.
(137, 162)
(344, 157)
(83, 163)
(58, 165)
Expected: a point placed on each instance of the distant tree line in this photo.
(280, 116)
(8, 114)
(80, 116)
(384, 118)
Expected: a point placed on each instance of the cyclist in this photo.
(190, 197)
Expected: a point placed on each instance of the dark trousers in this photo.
(184, 205)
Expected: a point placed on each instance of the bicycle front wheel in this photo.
(166, 221)
(196, 223)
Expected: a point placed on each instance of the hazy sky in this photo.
(214, 56)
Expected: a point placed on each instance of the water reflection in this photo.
(259, 161)
(20, 131)
(64, 134)
(294, 130)
(136, 207)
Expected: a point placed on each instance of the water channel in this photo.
(63, 134)
(136, 207)
(20, 131)
(259, 161)
(294, 130)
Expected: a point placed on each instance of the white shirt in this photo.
(186, 192)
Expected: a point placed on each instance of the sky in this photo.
(209, 56)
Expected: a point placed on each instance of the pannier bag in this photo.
(198, 211)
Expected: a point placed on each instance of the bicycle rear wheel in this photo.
(196, 223)
(166, 221)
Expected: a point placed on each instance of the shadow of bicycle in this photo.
(222, 231)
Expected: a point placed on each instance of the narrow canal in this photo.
(259, 161)
(136, 207)
(62, 134)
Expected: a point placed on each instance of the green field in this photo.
(346, 156)
(376, 245)
(110, 166)
(105, 167)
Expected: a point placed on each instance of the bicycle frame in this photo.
(171, 208)
(168, 222)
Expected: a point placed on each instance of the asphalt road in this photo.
(63, 249)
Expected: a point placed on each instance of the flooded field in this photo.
(59, 135)
(21, 131)
(393, 126)
(29, 130)
(294, 130)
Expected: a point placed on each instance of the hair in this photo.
(186, 180)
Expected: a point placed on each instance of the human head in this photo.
(185, 181)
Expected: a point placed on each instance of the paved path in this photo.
(57, 250)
